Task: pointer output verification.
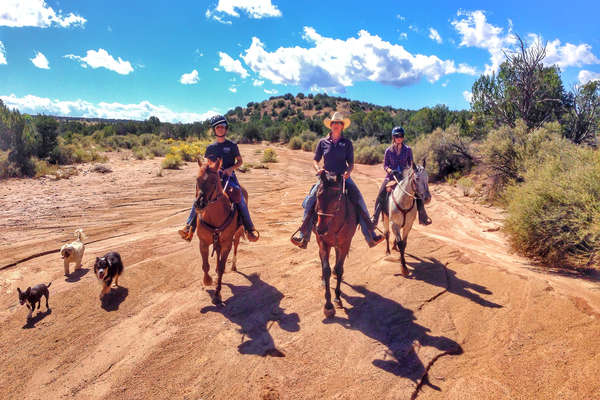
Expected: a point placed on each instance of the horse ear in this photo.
(424, 162)
(199, 159)
(414, 166)
(219, 163)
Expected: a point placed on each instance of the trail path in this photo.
(473, 321)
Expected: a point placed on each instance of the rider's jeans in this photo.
(355, 196)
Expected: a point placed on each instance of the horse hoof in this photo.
(233, 268)
(338, 303)
(207, 280)
(329, 312)
(405, 272)
(216, 300)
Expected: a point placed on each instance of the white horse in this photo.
(402, 207)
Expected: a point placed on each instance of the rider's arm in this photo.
(349, 160)
(317, 158)
(387, 162)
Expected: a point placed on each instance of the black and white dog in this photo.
(107, 268)
(33, 296)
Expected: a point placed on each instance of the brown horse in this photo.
(336, 225)
(402, 208)
(217, 224)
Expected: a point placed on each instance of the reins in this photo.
(335, 212)
(403, 210)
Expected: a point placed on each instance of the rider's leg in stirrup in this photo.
(187, 233)
(302, 236)
(380, 202)
(364, 220)
(251, 233)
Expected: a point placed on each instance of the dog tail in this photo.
(48, 285)
(79, 234)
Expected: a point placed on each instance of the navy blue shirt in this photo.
(398, 161)
(337, 156)
(227, 151)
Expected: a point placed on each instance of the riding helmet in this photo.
(398, 131)
(218, 120)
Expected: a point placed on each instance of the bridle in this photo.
(338, 201)
(405, 211)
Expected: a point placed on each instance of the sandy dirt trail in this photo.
(471, 322)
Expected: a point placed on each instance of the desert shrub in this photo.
(172, 161)
(508, 150)
(148, 138)
(368, 150)
(466, 185)
(295, 143)
(43, 167)
(158, 149)
(554, 216)
(309, 145)
(140, 153)
(244, 168)
(188, 151)
(269, 156)
(261, 166)
(101, 169)
(446, 152)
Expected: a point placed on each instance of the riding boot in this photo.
(423, 217)
(379, 202)
(302, 236)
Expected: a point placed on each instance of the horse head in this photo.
(207, 184)
(422, 181)
(329, 198)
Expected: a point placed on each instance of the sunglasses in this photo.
(398, 136)
(336, 123)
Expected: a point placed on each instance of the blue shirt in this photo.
(227, 151)
(336, 156)
(398, 161)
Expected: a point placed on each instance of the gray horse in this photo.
(402, 207)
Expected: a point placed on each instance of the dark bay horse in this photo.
(336, 225)
(402, 207)
(217, 224)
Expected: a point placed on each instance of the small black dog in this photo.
(108, 268)
(34, 295)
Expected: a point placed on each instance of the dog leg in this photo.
(78, 265)
(66, 267)
(116, 281)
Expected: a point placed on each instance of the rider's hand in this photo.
(228, 171)
(346, 174)
(320, 171)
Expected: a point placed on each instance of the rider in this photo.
(338, 158)
(229, 153)
(397, 157)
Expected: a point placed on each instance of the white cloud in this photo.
(40, 61)
(434, 35)
(403, 36)
(19, 13)
(413, 28)
(257, 82)
(587, 76)
(333, 64)
(468, 96)
(2, 53)
(272, 91)
(256, 9)
(233, 89)
(189, 79)
(477, 32)
(400, 17)
(231, 65)
(216, 69)
(80, 108)
(101, 58)
(567, 55)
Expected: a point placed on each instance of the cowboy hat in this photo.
(337, 117)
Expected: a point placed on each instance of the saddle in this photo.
(234, 194)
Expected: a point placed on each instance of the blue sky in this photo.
(185, 60)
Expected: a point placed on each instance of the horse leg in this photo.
(236, 242)
(402, 246)
(220, 270)
(340, 257)
(205, 265)
(386, 232)
(324, 251)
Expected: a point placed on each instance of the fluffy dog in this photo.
(73, 252)
(106, 269)
(34, 295)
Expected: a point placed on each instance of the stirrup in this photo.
(251, 236)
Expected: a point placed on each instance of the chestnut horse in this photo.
(217, 224)
(336, 225)
(402, 207)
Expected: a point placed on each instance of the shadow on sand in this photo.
(255, 308)
(113, 299)
(37, 318)
(76, 275)
(434, 272)
(393, 326)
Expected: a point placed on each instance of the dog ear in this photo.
(19, 290)
(28, 291)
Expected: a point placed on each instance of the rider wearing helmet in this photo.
(229, 153)
(338, 157)
(397, 157)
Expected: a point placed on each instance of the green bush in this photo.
(466, 185)
(140, 153)
(554, 216)
(269, 156)
(446, 152)
(295, 143)
(368, 150)
(309, 145)
(172, 161)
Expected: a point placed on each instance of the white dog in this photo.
(73, 252)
